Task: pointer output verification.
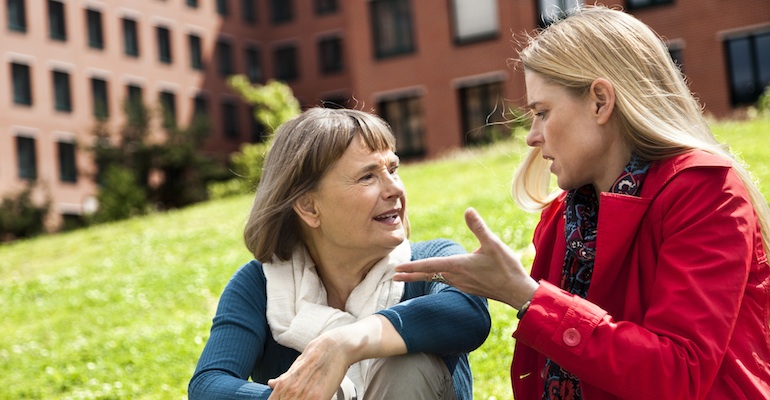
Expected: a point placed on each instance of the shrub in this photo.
(763, 103)
(20, 217)
(247, 165)
(120, 196)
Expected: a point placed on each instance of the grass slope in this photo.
(123, 310)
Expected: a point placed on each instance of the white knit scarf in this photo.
(297, 308)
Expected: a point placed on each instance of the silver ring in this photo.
(437, 277)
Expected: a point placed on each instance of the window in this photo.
(249, 11)
(67, 166)
(130, 38)
(330, 54)
(635, 4)
(392, 27)
(200, 106)
(223, 7)
(164, 44)
(676, 55)
(225, 58)
(551, 10)
(196, 54)
(748, 65)
(95, 30)
(192, 3)
(56, 26)
(253, 64)
(22, 84)
(100, 98)
(286, 63)
(62, 93)
(474, 20)
(134, 99)
(230, 119)
(17, 15)
(323, 7)
(479, 111)
(405, 118)
(258, 132)
(27, 157)
(134, 94)
(168, 108)
(281, 11)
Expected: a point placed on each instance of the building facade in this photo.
(436, 70)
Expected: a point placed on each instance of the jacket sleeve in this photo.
(236, 342)
(706, 227)
(437, 318)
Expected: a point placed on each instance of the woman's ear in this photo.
(603, 99)
(306, 210)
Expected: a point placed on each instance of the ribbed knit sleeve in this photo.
(237, 341)
(449, 322)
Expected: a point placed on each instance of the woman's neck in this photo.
(340, 273)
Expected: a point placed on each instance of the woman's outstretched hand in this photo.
(492, 271)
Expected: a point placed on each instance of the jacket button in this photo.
(571, 337)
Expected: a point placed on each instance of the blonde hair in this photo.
(658, 114)
(303, 149)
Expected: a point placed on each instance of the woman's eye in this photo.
(367, 177)
(394, 169)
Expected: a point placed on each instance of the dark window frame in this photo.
(252, 57)
(249, 12)
(67, 155)
(223, 7)
(62, 90)
(562, 8)
(167, 102)
(196, 51)
(17, 15)
(281, 11)
(230, 127)
(130, 37)
(287, 64)
(163, 41)
(326, 7)
(758, 71)
(330, 54)
(21, 77)
(95, 29)
(480, 112)
(57, 21)
(630, 4)
(26, 155)
(225, 57)
(100, 98)
(396, 39)
(410, 140)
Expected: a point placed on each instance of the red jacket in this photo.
(679, 302)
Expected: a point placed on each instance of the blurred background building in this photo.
(436, 70)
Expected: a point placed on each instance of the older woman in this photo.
(329, 225)
(650, 279)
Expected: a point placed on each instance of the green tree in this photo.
(273, 103)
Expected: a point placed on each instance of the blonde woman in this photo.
(650, 279)
(316, 315)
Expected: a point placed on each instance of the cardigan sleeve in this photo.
(707, 230)
(236, 342)
(437, 318)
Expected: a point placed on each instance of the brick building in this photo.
(435, 69)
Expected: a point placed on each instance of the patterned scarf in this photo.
(581, 217)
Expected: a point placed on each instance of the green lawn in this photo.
(123, 310)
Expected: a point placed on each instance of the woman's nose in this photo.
(394, 187)
(534, 137)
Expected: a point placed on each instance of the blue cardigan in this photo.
(449, 323)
